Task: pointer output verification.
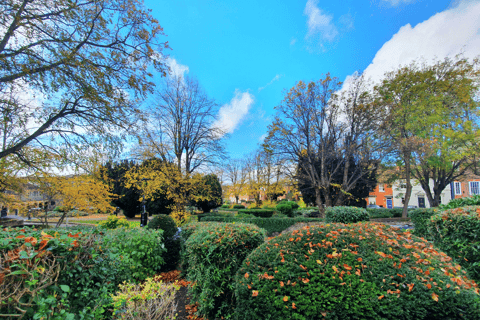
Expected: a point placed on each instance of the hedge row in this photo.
(214, 252)
(356, 271)
(385, 213)
(457, 232)
(263, 213)
(420, 219)
(271, 225)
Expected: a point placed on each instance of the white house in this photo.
(418, 198)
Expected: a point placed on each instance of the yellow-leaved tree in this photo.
(156, 176)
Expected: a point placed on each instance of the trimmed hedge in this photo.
(238, 206)
(420, 219)
(214, 253)
(346, 214)
(271, 225)
(355, 271)
(385, 213)
(263, 213)
(287, 207)
(173, 246)
(457, 232)
(461, 202)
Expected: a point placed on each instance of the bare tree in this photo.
(180, 126)
(322, 131)
(236, 174)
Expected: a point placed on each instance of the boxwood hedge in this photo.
(346, 214)
(214, 253)
(355, 271)
(457, 232)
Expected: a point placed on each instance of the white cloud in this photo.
(293, 41)
(177, 69)
(395, 3)
(231, 114)
(318, 22)
(446, 34)
(277, 77)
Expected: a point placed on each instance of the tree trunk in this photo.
(408, 192)
(319, 202)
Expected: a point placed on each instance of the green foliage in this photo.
(114, 222)
(379, 213)
(172, 246)
(214, 253)
(225, 206)
(461, 202)
(238, 206)
(271, 225)
(457, 231)
(263, 213)
(151, 300)
(165, 223)
(201, 216)
(211, 195)
(420, 219)
(287, 207)
(355, 271)
(346, 214)
(142, 248)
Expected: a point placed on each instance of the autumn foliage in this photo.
(357, 271)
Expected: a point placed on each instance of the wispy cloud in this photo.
(319, 23)
(445, 34)
(277, 77)
(231, 114)
(395, 3)
(177, 69)
(293, 41)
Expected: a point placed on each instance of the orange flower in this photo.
(410, 287)
(434, 296)
(347, 267)
(31, 240)
(359, 259)
(246, 275)
(285, 298)
(20, 236)
(254, 293)
(293, 305)
(281, 284)
(381, 297)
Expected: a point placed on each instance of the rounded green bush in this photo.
(285, 208)
(172, 245)
(420, 219)
(261, 213)
(355, 271)
(214, 253)
(238, 206)
(346, 214)
(165, 223)
(457, 232)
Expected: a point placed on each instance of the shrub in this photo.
(225, 206)
(379, 213)
(150, 300)
(207, 214)
(457, 232)
(181, 217)
(461, 202)
(214, 253)
(355, 271)
(346, 214)
(173, 248)
(114, 222)
(285, 208)
(263, 213)
(420, 218)
(271, 225)
(238, 206)
(141, 248)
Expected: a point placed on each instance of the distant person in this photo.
(117, 211)
(4, 212)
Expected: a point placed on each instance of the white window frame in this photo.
(381, 188)
(457, 186)
(474, 186)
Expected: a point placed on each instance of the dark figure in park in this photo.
(4, 212)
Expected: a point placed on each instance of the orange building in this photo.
(382, 196)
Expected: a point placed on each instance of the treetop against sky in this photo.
(245, 54)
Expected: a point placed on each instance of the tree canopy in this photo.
(72, 72)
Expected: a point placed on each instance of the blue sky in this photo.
(245, 54)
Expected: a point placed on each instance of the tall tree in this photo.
(432, 120)
(180, 126)
(72, 72)
(211, 195)
(320, 127)
(236, 174)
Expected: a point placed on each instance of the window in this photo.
(381, 188)
(474, 187)
(457, 187)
